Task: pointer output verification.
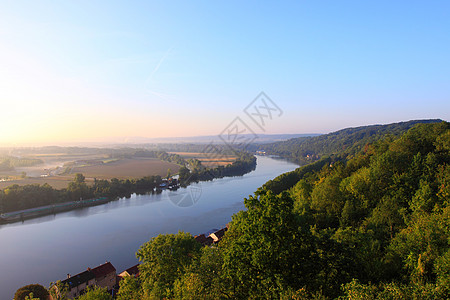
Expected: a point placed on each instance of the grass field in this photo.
(207, 159)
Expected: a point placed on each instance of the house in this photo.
(77, 284)
(211, 237)
(105, 275)
(205, 241)
(218, 235)
(133, 271)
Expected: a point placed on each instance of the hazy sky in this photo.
(80, 70)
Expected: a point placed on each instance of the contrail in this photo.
(158, 65)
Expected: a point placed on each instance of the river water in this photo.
(46, 249)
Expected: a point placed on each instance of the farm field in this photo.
(59, 168)
(127, 168)
(57, 182)
(207, 159)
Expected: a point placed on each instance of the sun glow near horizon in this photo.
(40, 106)
(69, 73)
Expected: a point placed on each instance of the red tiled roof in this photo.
(103, 270)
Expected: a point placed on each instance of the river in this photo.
(46, 249)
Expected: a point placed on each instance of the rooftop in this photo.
(103, 270)
(78, 279)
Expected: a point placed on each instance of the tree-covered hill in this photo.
(345, 141)
(374, 225)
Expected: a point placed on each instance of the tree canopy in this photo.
(37, 290)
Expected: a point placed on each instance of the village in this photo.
(105, 275)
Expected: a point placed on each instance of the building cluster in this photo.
(104, 276)
(170, 183)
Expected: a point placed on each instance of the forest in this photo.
(344, 142)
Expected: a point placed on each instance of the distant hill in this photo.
(345, 141)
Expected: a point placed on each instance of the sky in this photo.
(73, 71)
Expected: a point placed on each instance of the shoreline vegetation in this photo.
(18, 203)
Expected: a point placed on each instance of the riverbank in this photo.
(36, 197)
(22, 215)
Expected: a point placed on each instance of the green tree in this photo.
(442, 270)
(78, 188)
(190, 287)
(354, 290)
(204, 279)
(58, 290)
(422, 245)
(266, 249)
(327, 200)
(129, 289)
(37, 290)
(79, 178)
(184, 174)
(165, 258)
(96, 293)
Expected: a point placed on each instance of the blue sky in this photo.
(72, 71)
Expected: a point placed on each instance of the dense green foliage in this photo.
(164, 259)
(129, 288)
(95, 293)
(370, 225)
